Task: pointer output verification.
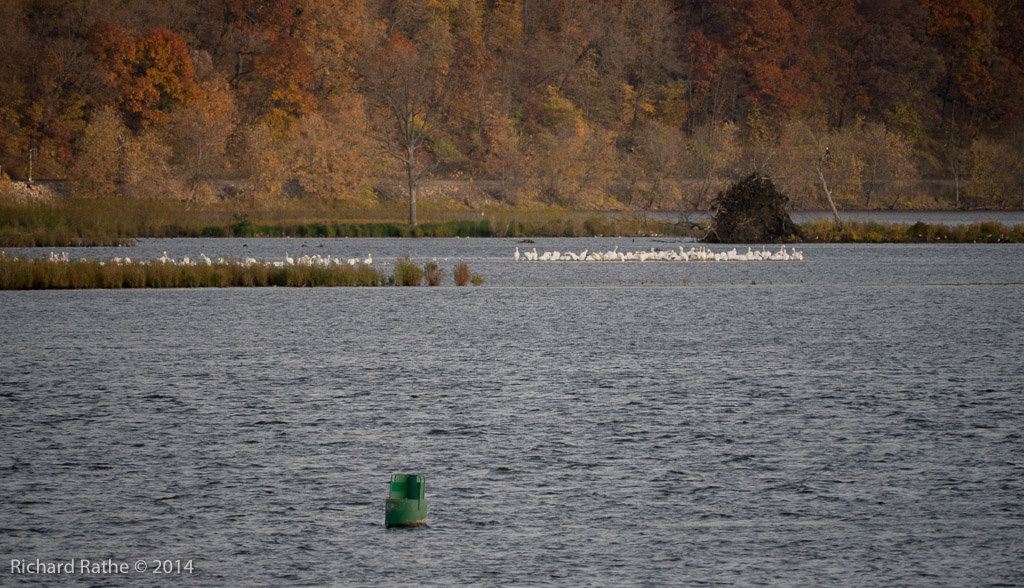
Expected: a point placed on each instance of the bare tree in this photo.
(809, 148)
(824, 162)
(412, 93)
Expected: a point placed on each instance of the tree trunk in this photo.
(828, 196)
(411, 177)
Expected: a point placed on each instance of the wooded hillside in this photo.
(582, 103)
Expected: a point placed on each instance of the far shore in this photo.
(71, 222)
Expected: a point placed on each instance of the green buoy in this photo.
(406, 506)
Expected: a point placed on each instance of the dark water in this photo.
(851, 420)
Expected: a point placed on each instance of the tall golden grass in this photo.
(32, 274)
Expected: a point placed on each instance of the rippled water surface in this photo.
(851, 420)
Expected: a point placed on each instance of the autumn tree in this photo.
(506, 158)
(651, 58)
(764, 42)
(262, 162)
(1014, 165)
(983, 184)
(836, 29)
(888, 162)
(237, 32)
(333, 33)
(961, 32)
(99, 170)
(994, 171)
(147, 171)
(47, 82)
(150, 74)
(711, 155)
(331, 156)
(760, 145)
(574, 162)
(278, 91)
(701, 94)
(652, 167)
(199, 134)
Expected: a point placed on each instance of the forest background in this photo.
(583, 104)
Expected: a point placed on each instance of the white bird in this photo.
(288, 259)
(368, 260)
(517, 254)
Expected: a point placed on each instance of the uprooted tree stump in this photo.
(751, 211)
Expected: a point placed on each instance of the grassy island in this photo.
(17, 273)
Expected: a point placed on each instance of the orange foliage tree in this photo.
(150, 74)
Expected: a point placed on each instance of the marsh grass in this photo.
(461, 273)
(433, 273)
(407, 273)
(34, 274)
(828, 231)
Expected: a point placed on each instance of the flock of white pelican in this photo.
(203, 259)
(694, 254)
(304, 260)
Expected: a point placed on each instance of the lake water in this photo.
(854, 419)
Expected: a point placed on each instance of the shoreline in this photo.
(813, 231)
